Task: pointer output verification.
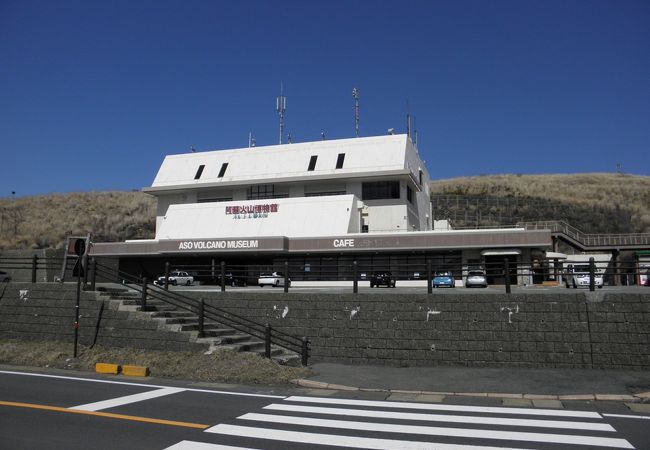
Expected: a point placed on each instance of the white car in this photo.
(274, 279)
(578, 276)
(175, 278)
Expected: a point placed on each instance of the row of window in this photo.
(311, 167)
(312, 162)
(374, 190)
(222, 171)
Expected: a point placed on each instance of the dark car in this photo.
(4, 276)
(230, 279)
(382, 279)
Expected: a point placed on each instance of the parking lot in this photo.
(365, 289)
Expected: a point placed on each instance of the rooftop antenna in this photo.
(408, 119)
(289, 141)
(415, 131)
(322, 135)
(192, 149)
(355, 95)
(281, 106)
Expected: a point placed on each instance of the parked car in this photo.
(476, 278)
(176, 278)
(382, 279)
(578, 276)
(443, 279)
(4, 277)
(274, 279)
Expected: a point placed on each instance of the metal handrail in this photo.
(589, 240)
(210, 312)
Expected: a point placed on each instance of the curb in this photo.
(126, 370)
(566, 397)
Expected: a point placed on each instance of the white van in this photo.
(578, 276)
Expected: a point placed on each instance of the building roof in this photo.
(364, 157)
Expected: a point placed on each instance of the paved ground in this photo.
(488, 381)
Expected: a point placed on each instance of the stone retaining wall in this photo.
(46, 311)
(564, 329)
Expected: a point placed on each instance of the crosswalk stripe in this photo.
(340, 441)
(445, 407)
(192, 445)
(127, 399)
(441, 431)
(591, 426)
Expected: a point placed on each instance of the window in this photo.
(380, 190)
(339, 160)
(213, 199)
(409, 194)
(324, 193)
(199, 172)
(312, 163)
(222, 172)
(260, 191)
(420, 177)
(264, 191)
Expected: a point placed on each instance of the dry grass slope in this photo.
(593, 202)
(45, 221)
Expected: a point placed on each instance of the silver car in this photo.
(476, 278)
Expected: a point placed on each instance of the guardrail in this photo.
(590, 240)
(520, 273)
(228, 276)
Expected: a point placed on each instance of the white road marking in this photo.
(627, 416)
(443, 407)
(192, 445)
(441, 431)
(126, 383)
(592, 426)
(340, 441)
(127, 399)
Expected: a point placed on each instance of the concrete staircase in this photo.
(171, 318)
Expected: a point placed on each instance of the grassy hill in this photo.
(45, 221)
(594, 203)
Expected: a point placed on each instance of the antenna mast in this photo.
(355, 95)
(415, 131)
(281, 106)
(408, 119)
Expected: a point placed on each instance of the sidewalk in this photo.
(561, 384)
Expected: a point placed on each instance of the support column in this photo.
(617, 276)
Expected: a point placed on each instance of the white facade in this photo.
(325, 188)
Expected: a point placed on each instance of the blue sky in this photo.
(93, 94)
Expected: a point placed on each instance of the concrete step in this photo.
(218, 336)
(172, 314)
(216, 332)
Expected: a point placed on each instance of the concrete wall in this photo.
(44, 312)
(566, 329)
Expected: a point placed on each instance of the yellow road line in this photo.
(105, 414)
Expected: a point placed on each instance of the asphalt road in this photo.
(52, 411)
